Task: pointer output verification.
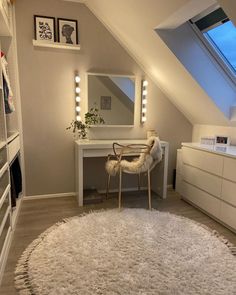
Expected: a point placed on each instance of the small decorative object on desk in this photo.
(222, 140)
(151, 132)
(91, 118)
(208, 140)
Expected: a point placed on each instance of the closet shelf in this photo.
(3, 169)
(12, 135)
(56, 45)
(2, 144)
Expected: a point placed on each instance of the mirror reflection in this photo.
(114, 96)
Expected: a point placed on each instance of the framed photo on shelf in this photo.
(67, 31)
(222, 140)
(44, 28)
(105, 103)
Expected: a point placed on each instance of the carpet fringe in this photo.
(215, 233)
(22, 280)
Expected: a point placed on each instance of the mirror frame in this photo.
(114, 75)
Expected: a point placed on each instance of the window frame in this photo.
(214, 51)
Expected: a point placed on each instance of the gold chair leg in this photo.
(139, 182)
(108, 185)
(149, 191)
(120, 184)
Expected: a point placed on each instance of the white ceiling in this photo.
(132, 22)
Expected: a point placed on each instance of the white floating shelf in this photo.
(56, 45)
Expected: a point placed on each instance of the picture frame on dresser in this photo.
(67, 31)
(45, 28)
(222, 140)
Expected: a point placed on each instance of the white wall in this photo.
(210, 130)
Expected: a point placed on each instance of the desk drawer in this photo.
(97, 152)
(203, 180)
(13, 148)
(203, 160)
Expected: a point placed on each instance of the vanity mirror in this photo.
(113, 96)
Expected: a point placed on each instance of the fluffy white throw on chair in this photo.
(140, 164)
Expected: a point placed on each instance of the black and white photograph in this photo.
(105, 103)
(67, 31)
(44, 28)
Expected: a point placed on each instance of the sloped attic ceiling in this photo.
(132, 22)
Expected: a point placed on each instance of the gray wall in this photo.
(47, 93)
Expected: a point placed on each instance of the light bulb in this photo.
(145, 101)
(77, 79)
(78, 109)
(144, 92)
(77, 98)
(144, 119)
(78, 118)
(144, 110)
(145, 83)
(77, 90)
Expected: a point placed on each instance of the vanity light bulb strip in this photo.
(144, 101)
(77, 97)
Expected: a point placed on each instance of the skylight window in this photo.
(223, 39)
(219, 35)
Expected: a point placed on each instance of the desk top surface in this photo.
(107, 143)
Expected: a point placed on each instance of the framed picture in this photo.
(44, 28)
(67, 31)
(222, 140)
(105, 103)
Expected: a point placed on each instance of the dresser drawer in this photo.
(203, 160)
(201, 199)
(228, 215)
(229, 192)
(203, 180)
(3, 157)
(229, 170)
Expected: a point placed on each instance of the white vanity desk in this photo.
(101, 148)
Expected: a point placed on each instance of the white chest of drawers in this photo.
(206, 177)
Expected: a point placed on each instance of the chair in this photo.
(147, 157)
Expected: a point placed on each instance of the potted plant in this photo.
(92, 117)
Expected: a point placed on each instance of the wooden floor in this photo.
(37, 215)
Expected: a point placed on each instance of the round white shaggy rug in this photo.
(134, 251)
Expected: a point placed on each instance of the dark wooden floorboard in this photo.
(37, 215)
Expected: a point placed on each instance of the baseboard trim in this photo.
(59, 195)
